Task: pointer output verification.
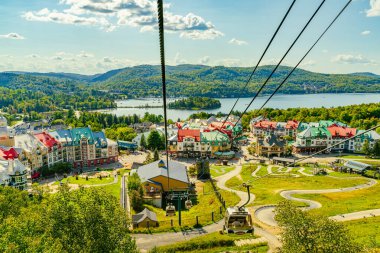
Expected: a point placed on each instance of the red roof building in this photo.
(265, 124)
(341, 132)
(193, 133)
(292, 124)
(8, 154)
(47, 140)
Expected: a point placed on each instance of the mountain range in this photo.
(193, 80)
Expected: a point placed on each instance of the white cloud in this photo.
(204, 60)
(229, 62)
(325, 51)
(110, 14)
(45, 15)
(308, 63)
(14, 36)
(352, 59)
(237, 42)
(33, 56)
(365, 32)
(374, 11)
(84, 54)
(178, 59)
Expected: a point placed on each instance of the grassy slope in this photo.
(346, 202)
(366, 231)
(217, 171)
(207, 203)
(267, 189)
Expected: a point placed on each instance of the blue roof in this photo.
(100, 139)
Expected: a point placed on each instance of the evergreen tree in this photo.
(156, 156)
(143, 142)
(155, 140)
(376, 149)
(366, 149)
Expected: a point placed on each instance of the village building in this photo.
(372, 137)
(144, 219)
(312, 139)
(356, 167)
(157, 181)
(340, 133)
(12, 172)
(189, 143)
(54, 148)
(213, 142)
(6, 133)
(34, 153)
(84, 148)
(270, 145)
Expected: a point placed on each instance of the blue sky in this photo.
(93, 36)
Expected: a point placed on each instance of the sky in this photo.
(94, 36)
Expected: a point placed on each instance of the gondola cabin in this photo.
(237, 221)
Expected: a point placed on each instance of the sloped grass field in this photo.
(218, 170)
(345, 202)
(206, 203)
(366, 231)
(267, 189)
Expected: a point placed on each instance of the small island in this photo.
(195, 103)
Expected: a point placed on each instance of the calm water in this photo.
(280, 101)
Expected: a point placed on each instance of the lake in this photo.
(278, 101)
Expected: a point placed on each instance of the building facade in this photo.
(12, 172)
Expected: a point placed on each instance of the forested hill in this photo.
(198, 80)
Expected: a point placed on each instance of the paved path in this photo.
(356, 215)
(256, 170)
(266, 213)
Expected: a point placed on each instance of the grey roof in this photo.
(271, 140)
(177, 171)
(355, 165)
(137, 218)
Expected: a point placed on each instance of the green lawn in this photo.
(214, 242)
(90, 181)
(218, 170)
(358, 156)
(207, 202)
(267, 189)
(344, 175)
(345, 202)
(366, 231)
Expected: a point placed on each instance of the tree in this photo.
(84, 220)
(376, 148)
(156, 156)
(143, 142)
(365, 148)
(155, 140)
(304, 233)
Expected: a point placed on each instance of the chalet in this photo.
(291, 128)
(189, 143)
(340, 133)
(12, 172)
(212, 142)
(54, 148)
(270, 145)
(264, 127)
(371, 137)
(145, 219)
(157, 180)
(312, 139)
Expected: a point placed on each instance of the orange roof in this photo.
(265, 124)
(339, 131)
(292, 124)
(194, 133)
